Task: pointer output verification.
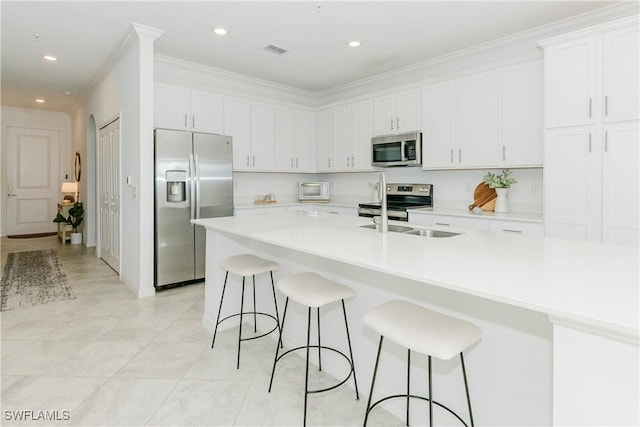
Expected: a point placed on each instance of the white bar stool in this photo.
(314, 291)
(427, 332)
(247, 265)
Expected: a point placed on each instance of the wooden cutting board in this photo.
(484, 197)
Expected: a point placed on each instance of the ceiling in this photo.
(315, 33)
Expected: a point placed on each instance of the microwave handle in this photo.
(403, 150)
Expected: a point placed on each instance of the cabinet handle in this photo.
(452, 155)
(504, 153)
(296, 162)
(292, 163)
(506, 230)
(185, 120)
(329, 162)
(589, 141)
(247, 160)
(193, 121)
(397, 123)
(391, 123)
(590, 104)
(348, 164)
(606, 141)
(606, 105)
(459, 155)
(254, 160)
(443, 223)
(353, 162)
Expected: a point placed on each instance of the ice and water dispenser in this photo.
(176, 186)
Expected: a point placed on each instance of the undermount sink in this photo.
(423, 232)
(392, 228)
(432, 233)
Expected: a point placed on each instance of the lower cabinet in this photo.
(525, 228)
(310, 207)
(517, 227)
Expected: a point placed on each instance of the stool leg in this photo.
(215, 331)
(353, 367)
(240, 329)
(279, 345)
(306, 374)
(408, 382)
(275, 304)
(373, 382)
(319, 358)
(255, 316)
(430, 397)
(466, 387)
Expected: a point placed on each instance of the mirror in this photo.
(78, 167)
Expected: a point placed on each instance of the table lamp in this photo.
(70, 191)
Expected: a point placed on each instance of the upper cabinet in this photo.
(397, 113)
(344, 137)
(484, 120)
(293, 140)
(591, 78)
(180, 108)
(252, 126)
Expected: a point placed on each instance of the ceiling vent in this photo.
(276, 49)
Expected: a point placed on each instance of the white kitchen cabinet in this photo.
(237, 124)
(478, 120)
(397, 113)
(593, 78)
(262, 135)
(591, 172)
(522, 127)
(181, 108)
(438, 125)
(293, 140)
(517, 228)
(344, 137)
(436, 220)
(252, 126)
(334, 210)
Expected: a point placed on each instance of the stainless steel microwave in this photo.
(313, 192)
(403, 149)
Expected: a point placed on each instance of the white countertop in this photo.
(591, 285)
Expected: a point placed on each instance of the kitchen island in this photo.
(559, 318)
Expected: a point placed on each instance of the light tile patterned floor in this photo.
(108, 358)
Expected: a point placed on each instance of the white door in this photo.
(361, 131)
(285, 130)
(33, 182)
(621, 75)
(342, 137)
(438, 126)
(109, 185)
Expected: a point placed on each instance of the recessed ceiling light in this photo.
(67, 92)
(355, 43)
(220, 31)
(39, 100)
(50, 57)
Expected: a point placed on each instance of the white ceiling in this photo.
(315, 33)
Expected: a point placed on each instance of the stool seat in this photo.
(248, 265)
(313, 290)
(422, 330)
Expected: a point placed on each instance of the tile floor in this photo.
(108, 358)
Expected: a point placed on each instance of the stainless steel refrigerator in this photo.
(193, 179)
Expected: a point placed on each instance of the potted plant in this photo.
(76, 215)
(501, 183)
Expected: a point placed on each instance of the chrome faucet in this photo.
(383, 226)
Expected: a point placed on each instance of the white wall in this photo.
(36, 119)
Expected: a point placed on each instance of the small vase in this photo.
(502, 203)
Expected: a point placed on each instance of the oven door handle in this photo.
(403, 149)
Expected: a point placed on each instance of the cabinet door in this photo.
(478, 115)
(262, 135)
(206, 112)
(571, 211)
(237, 124)
(438, 124)
(570, 83)
(517, 228)
(285, 134)
(303, 161)
(407, 111)
(342, 137)
(383, 123)
(170, 107)
(361, 131)
(324, 123)
(621, 75)
(522, 112)
(620, 185)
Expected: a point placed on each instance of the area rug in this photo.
(32, 278)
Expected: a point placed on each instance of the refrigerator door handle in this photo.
(197, 182)
(192, 172)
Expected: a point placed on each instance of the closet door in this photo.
(109, 185)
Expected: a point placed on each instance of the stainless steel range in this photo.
(400, 198)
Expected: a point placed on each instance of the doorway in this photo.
(33, 179)
(109, 193)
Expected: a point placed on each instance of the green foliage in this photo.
(76, 215)
(499, 181)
